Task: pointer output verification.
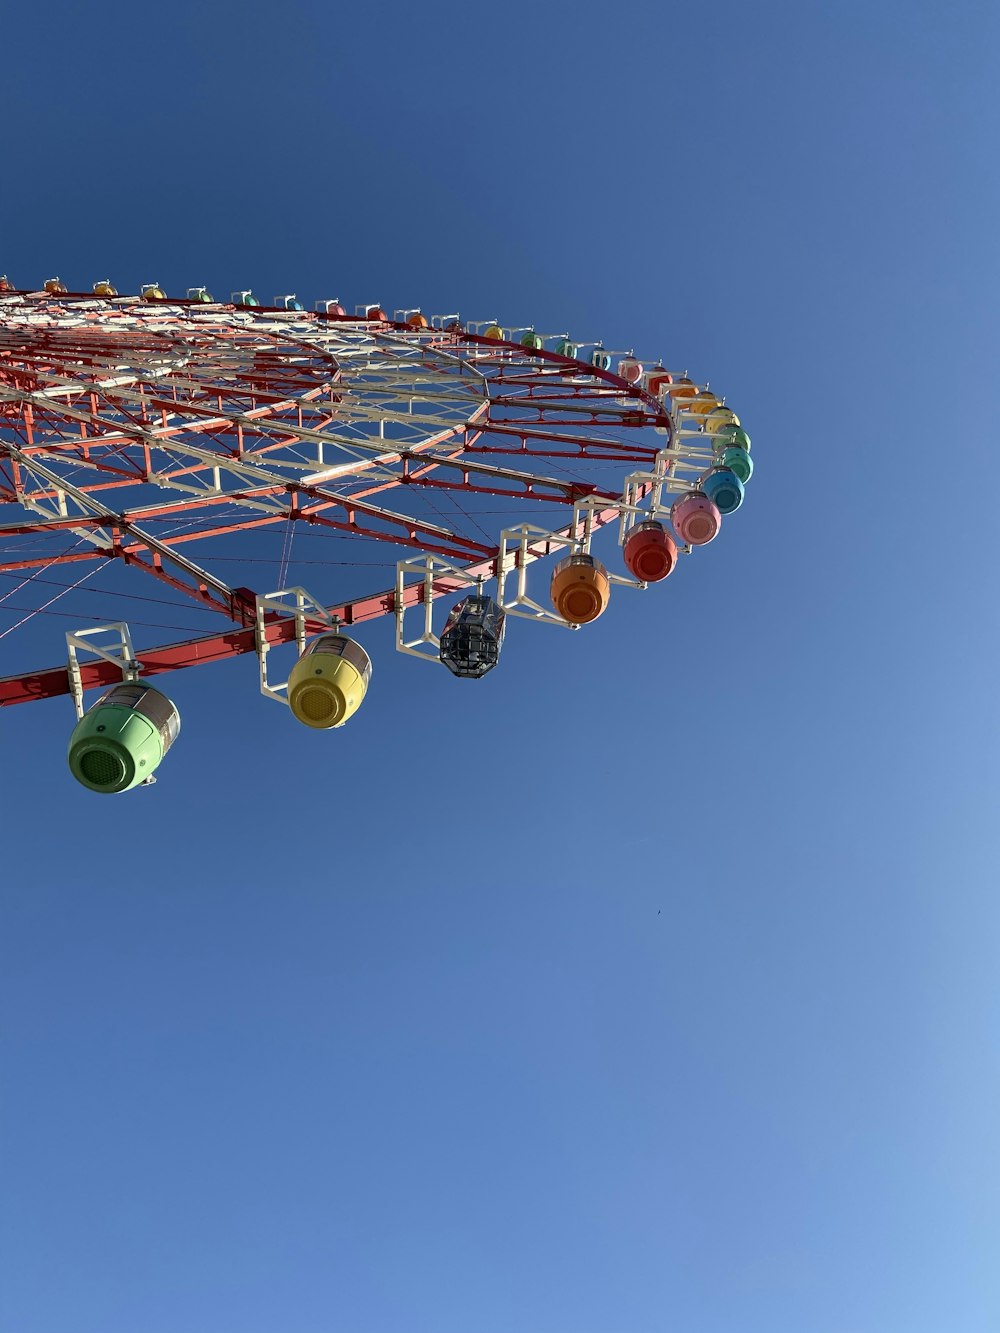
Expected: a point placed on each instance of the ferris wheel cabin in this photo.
(473, 636)
(119, 743)
(329, 681)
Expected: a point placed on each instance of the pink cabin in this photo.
(630, 370)
(695, 519)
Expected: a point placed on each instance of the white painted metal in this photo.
(378, 407)
(519, 547)
(121, 654)
(432, 572)
(306, 609)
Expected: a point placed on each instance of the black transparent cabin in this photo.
(473, 636)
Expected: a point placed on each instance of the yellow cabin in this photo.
(328, 682)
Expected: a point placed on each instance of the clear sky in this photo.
(652, 983)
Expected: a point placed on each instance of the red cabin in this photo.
(650, 552)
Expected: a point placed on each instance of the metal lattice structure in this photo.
(147, 444)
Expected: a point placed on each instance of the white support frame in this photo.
(663, 397)
(545, 337)
(515, 557)
(304, 607)
(583, 514)
(395, 407)
(636, 507)
(431, 569)
(121, 655)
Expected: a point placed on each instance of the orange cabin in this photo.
(683, 388)
(580, 588)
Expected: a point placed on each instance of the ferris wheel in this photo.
(274, 476)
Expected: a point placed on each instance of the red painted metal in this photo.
(50, 683)
(240, 394)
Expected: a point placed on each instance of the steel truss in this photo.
(118, 417)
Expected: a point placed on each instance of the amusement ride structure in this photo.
(149, 446)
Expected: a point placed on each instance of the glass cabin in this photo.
(473, 636)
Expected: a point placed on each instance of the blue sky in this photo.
(651, 983)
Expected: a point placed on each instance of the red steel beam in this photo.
(54, 681)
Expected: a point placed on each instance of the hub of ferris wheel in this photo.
(372, 404)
